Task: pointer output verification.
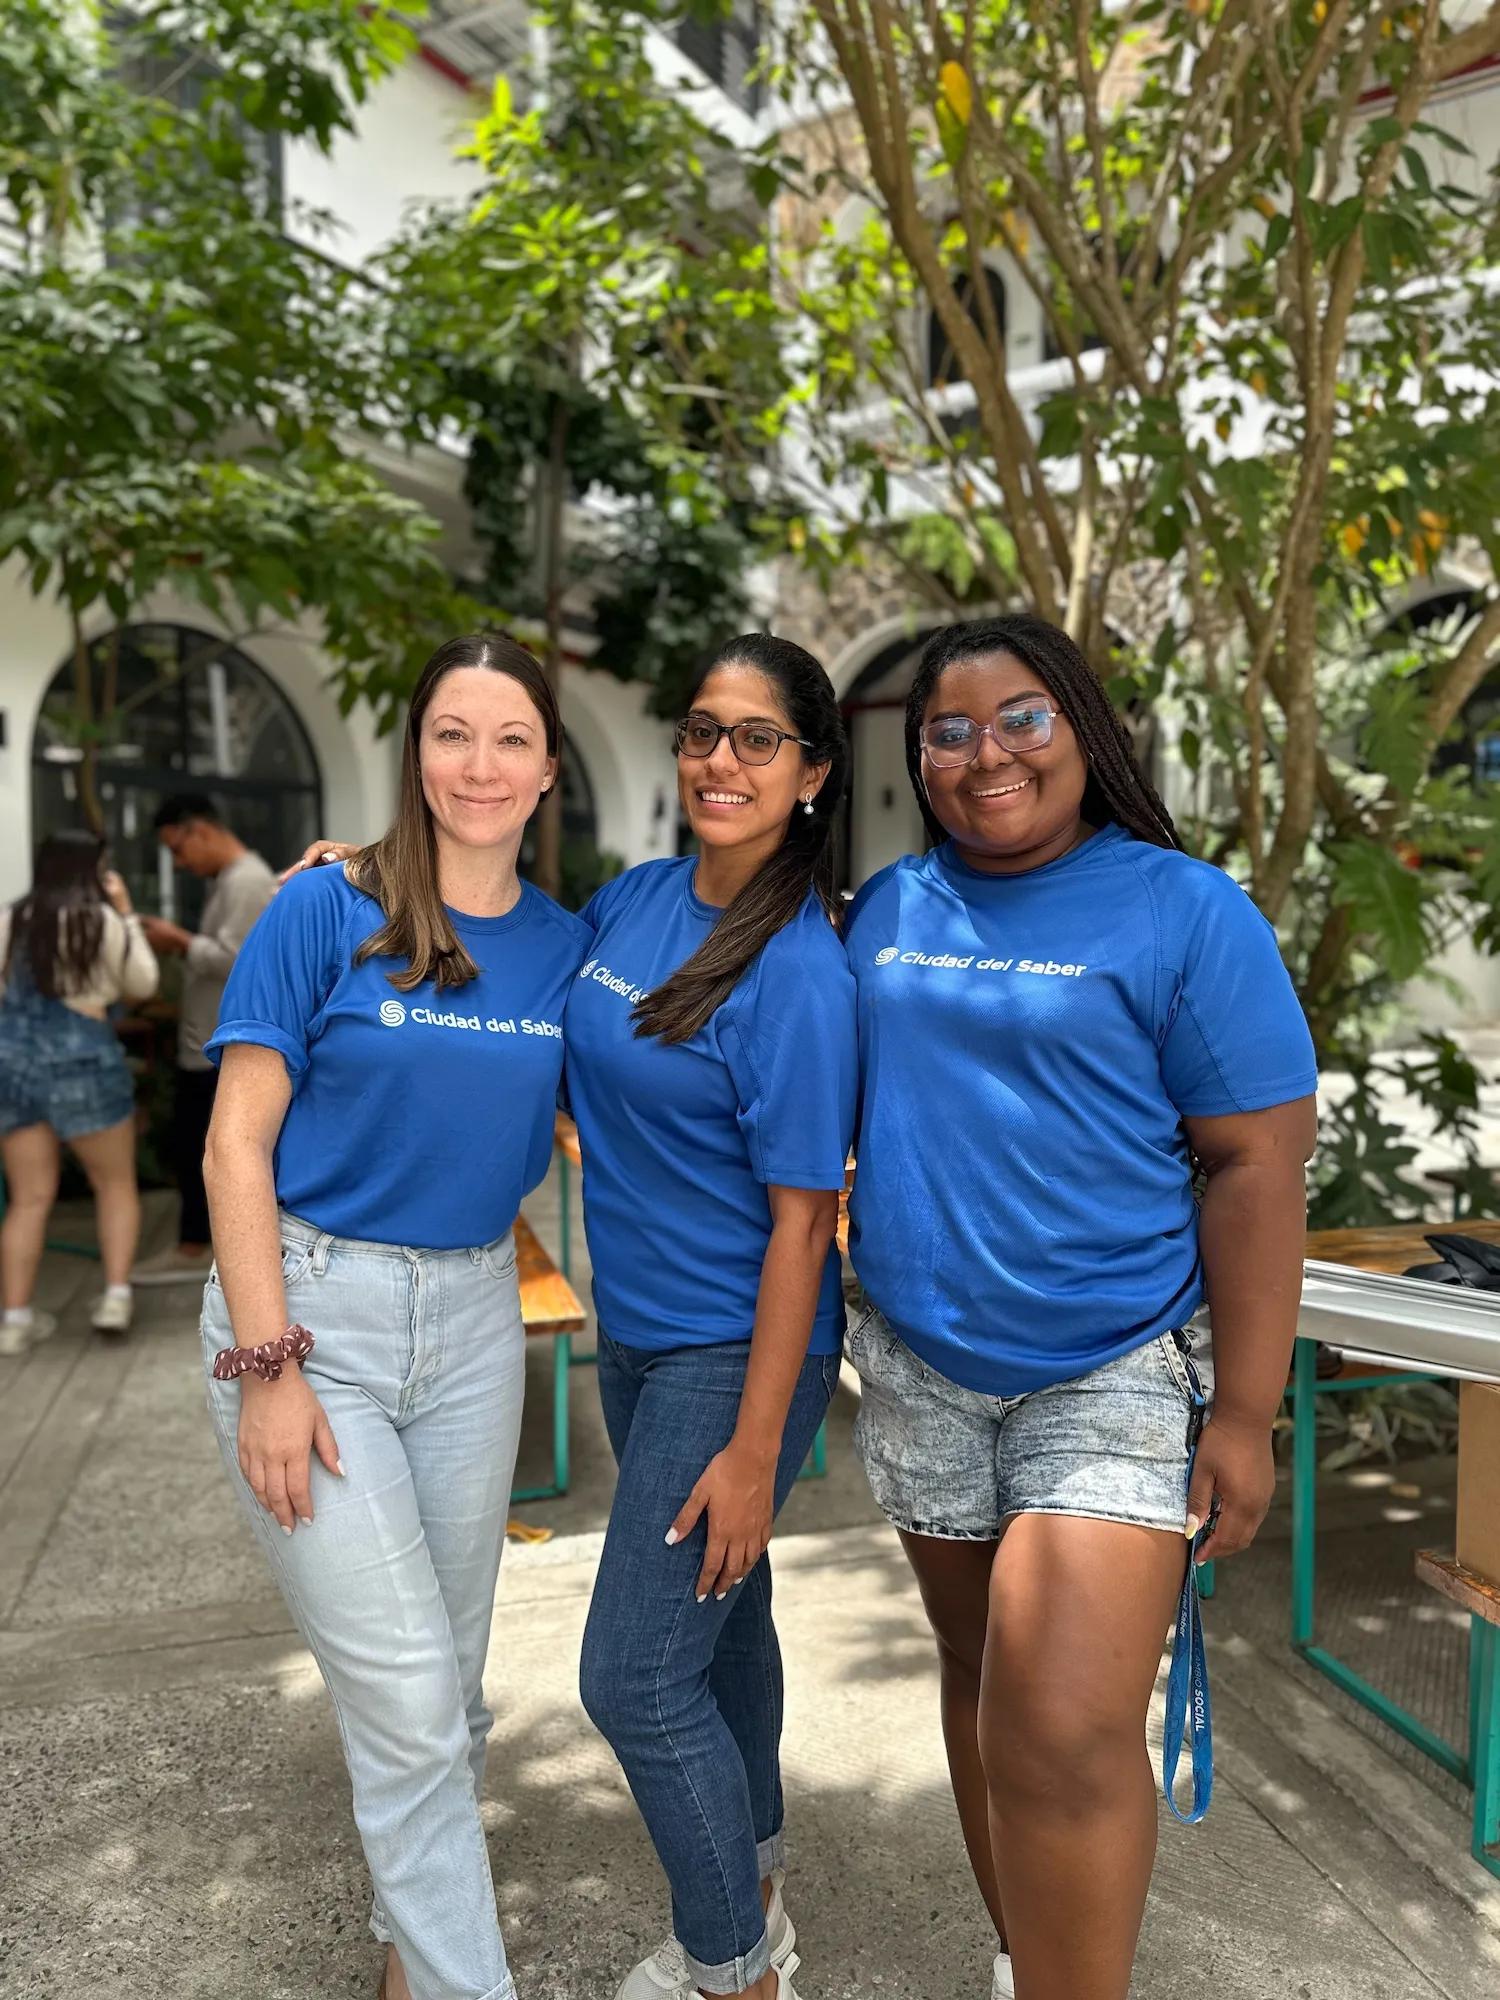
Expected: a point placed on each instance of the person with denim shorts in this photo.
(391, 1043)
(70, 949)
(711, 1067)
(1065, 1025)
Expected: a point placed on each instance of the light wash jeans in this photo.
(420, 1366)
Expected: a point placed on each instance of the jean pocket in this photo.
(1178, 1364)
(857, 1339)
(499, 1258)
(296, 1262)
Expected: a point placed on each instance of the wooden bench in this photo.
(570, 1161)
(552, 1310)
(1480, 1597)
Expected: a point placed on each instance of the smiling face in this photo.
(1009, 810)
(484, 762)
(731, 804)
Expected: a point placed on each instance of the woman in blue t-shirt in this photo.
(1063, 1017)
(363, 1195)
(711, 1067)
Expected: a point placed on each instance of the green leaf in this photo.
(1385, 902)
(1276, 236)
(1393, 739)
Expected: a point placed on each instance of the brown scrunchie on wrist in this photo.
(267, 1360)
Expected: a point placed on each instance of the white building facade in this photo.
(261, 729)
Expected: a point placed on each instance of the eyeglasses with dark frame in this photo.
(752, 742)
(951, 740)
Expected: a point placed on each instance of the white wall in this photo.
(628, 756)
(409, 127)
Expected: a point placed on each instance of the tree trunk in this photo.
(554, 493)
(90, 804)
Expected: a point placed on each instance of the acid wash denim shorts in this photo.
(950, 1462)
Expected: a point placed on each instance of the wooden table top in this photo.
(549, 1304)
(1394, 1249)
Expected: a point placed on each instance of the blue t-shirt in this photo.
(1023, 1209)
(681, 1142)
(417, 1118)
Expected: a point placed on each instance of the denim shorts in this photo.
(947, 1461)
(60, 1069)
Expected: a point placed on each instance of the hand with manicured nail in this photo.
(1234, 1468)
(281, 1425)
(737, 1491)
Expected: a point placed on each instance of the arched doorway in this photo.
(163, 708)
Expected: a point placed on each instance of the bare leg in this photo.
(1079, 1610)
(954, 1579)
(32, 1158)
(108, 1158)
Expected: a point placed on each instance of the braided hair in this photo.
(1116, 788)
(803, 863)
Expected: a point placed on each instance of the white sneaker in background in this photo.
(664, 1975)
(1004, 1987)
(20, 1331)
(112, 1311)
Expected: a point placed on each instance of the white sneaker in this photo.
(18, 1335)
(111, 1312)
(1004, 1987)
(174, 1266)
(664, 1975)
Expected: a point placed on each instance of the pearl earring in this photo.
(807, 807)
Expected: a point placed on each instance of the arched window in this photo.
(943, 365)
(165, 709)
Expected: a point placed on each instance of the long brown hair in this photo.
(804, 861)
(400, 870)
(58, 927)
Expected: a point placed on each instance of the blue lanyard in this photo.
(1188, 1708)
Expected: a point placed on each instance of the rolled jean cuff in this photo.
(735, 1974)
(771, 1854)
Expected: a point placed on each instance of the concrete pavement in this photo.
(174, 1814)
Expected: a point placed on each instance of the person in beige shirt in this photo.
(69, 950)
(190, 828)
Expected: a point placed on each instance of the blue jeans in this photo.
(420, 1365)
(689, 1695)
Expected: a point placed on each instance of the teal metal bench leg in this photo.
(562, 1355)
(1305, 1390)
(1304, 1490)
(817, 1459)
(565, 1243)
(1484, 1740)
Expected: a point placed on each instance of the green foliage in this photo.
(590, 316)
(181, 372)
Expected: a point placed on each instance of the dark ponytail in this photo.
(1117, 789)
(804, 861)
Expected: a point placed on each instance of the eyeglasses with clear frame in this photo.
(752, 742)
(951, 740)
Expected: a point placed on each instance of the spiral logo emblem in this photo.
(885, 956)
(392, 1013)
(587, 967)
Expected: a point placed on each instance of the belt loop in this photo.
(321, 1250)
